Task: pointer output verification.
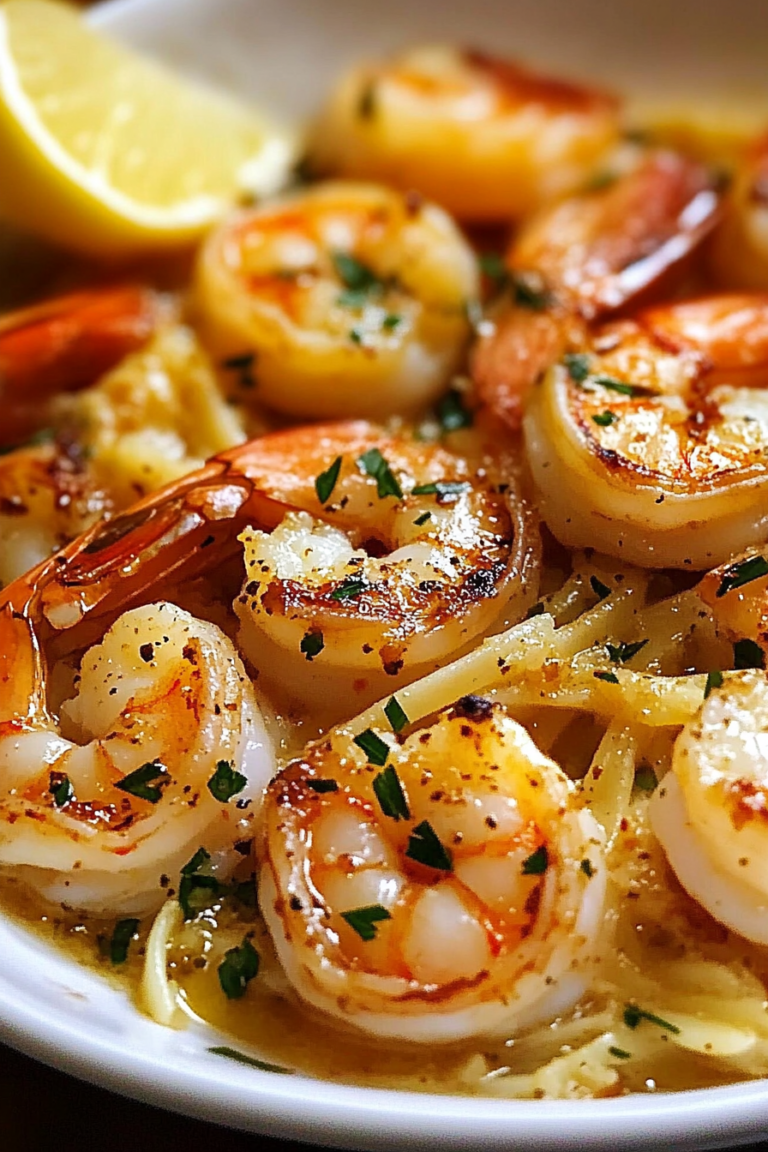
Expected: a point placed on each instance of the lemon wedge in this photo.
(110, 154)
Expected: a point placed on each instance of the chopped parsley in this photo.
(322, 785)
(390, 321)
(492, 265)
(123, 933)
(425, 847)
(312, 644)
(364, 920)
(446, 490)
(528, 291)
(604, 419)
(354, 274)
(60, 787)
(390, 795)
(373, 464)
(577, 364)
(748, 654)
(452, 413)
(250, 1061)
(376, 749)
(633, 1015)
(619, 1053)
(621, 653)
(645, 778)
(616, 385)
(609, 677)
(740, 574)
(601, 180)
(356, 336)
(141, 782)
(226, 782)
(237, 969)
(395, 713)
(353, 586)
(197, 890)
(420, 520)
(714, 680)
(326, 481)
(600, 590)
(587, 868)
(200, 858)
(537, 862)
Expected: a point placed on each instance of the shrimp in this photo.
(338, 300)
(456, 892)
(65, 344)
(592, 254)
(649, 440)
(406, 559)
(709, 811)
(484, 137)
(741, 249)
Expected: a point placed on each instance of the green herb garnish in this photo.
(60, 787)
(250, 1061)
(364, 920)
(425, 847)
(123, 933)
(356, 336)
(600, 590)
(529, 292)
(714, 680)
(748, 654)
(312, 644)
(740, 574)
(451, 412)
(322, 785)
(420, 520)
(226, 782)
(633, 1015)
(200, 858)
(621, 653)
(353, 586)
(619, 1053)
(374, 747)
(537, 862)
(326, 481)
(394, 712)
(390, 795)
(604, 419)
(492, 265)
(140, 783)
(237, 969)
(354, 274)
(390, 321)
(645, 778)
(609, 677)
(577, 364)
(445, 490)
(373, 464)
(617, 385)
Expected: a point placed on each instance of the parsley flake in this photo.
(425, 847)
(353, 273)
(390, 795)
(200, 858)
(604, 419)
(364, 920)
(250, 1061)
(446, 490)
(617, 385)
(452, 413)
(600, 590)
(312, 644)
(374, 747)
(60, 787)
(373, 464)
(577, 364)
(529, 291)
(123, 933)
(140, 783)
(351, 587)
(714, 680)
(326, 481)
(740, 574)
(609, 677)
(645, 778)
(748, 654)
(619, 1053)
(420, 520)
(621, 653)
(492, 265)
(391, 320)
(226, 782)
(237, 969)
(321, 786)
(633, 1015)
(356, 336)
(537, 862)
(395, 713)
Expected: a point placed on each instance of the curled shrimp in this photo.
(66, 343)
(456, 892)
(649, 439)
(741, 249)
(484, 137)
(593, 254)
(339, 300)
(411, 555)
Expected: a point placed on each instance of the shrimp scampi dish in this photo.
(384, 591)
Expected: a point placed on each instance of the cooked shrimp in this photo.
(339, 300)
(741, 250)
(486, 138)
(408, 557)
(48, 495)
(65, 344)
(456, 892)
(709, 812)
(593, 254)
(650, 440)
(103, 821)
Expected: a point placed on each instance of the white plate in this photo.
(283, 53)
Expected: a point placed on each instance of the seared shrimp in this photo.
(433, 888)
(397, 555)
(65, 344)
(340, 300)
(592, 254)
(741, 250)
(486, 138)
(649, 440)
